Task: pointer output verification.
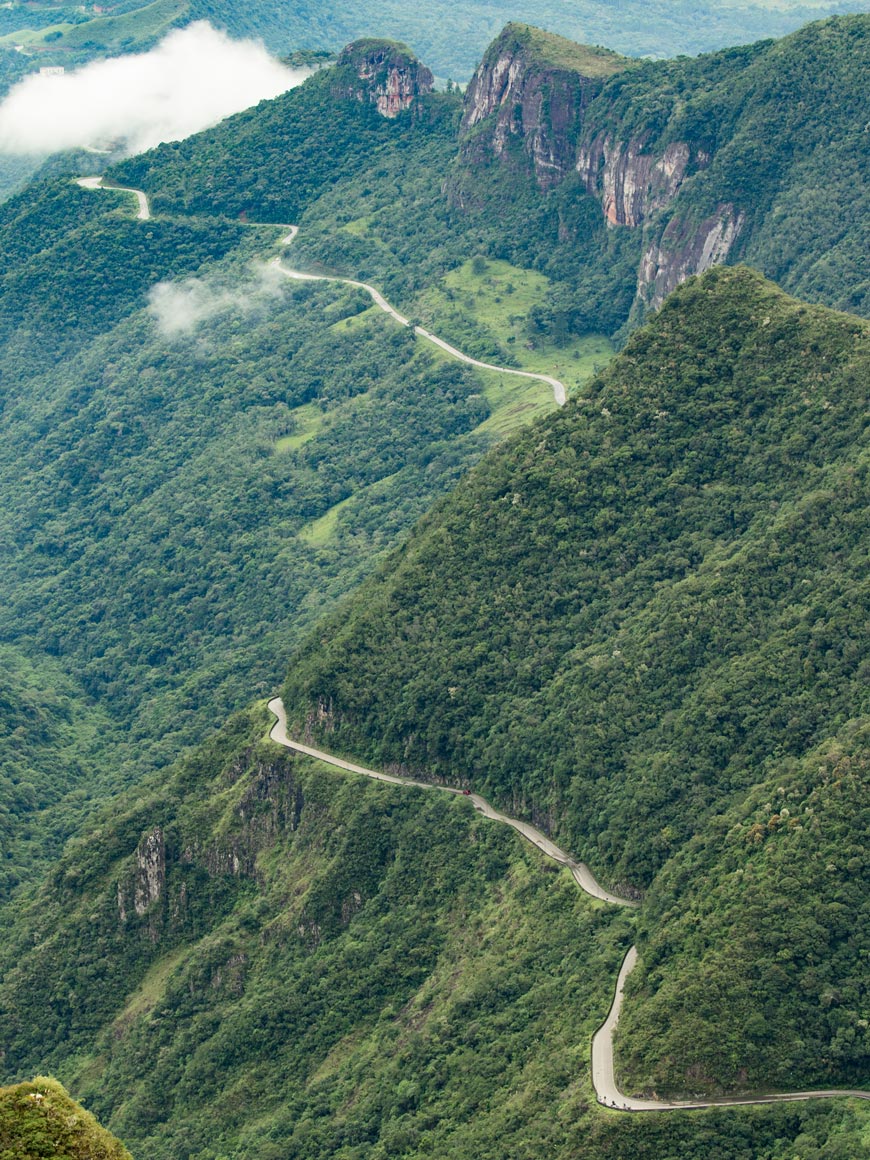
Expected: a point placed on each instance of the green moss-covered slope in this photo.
(260, 958)
(38, 1120)
(637, 613)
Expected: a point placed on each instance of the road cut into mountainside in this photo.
(144, 213)
(603, 1077)
(580, 871)
(558, 389)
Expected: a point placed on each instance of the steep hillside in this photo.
(327, 966)
(635, 614)
(199, 453)
(55, 758)
(271, 162)
(317, 961)
(616, 179)
(722, 158)
(640, 623)
(755, 936)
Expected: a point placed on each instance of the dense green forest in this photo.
(55, 754)
(191, 467)
(775, 131)
(633, 615)
(639, 622)
(329, 967)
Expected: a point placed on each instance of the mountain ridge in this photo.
(638, 624)
(511, 650)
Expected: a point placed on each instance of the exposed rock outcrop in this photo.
(150, 871)
(631, 182)
(548, 99)
(392, 77)
(271, 804)
(538, 86)
(686, 248)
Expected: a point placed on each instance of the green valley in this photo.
(635, 621)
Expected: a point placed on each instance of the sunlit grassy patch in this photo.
(308, 420)
(320, 531)
(496, 300)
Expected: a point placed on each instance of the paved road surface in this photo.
(582, 874)
(603, 1078)
(144, 213)
(558, 389)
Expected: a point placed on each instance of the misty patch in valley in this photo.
(179, 308)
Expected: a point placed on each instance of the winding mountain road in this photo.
(144, 213)
(558, 388)
(603, 1077)
(583, 876)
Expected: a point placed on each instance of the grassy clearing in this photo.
(360, 228)
(309, 422)
(373, 314)
(31, 36)
(514, 402)
(107, 32)
(558, 52)
(151, 990)
(321, 531)
(131, 28)
(498, 301)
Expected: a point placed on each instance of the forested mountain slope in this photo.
(640, 623)
(198, 453)
(55, 756)
(263, 959)
(628, 622)
(615, 178)
(319, 963)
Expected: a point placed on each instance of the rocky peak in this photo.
(537, 87)
(392, 77)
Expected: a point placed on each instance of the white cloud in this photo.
(180, 307)
(194, 78)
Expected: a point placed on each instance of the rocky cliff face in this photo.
(631, 181)
(541, 108)
(157, 887)
(535, 93)
(686, 248)
(538, 102)
(150, 871)
(391, 76)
